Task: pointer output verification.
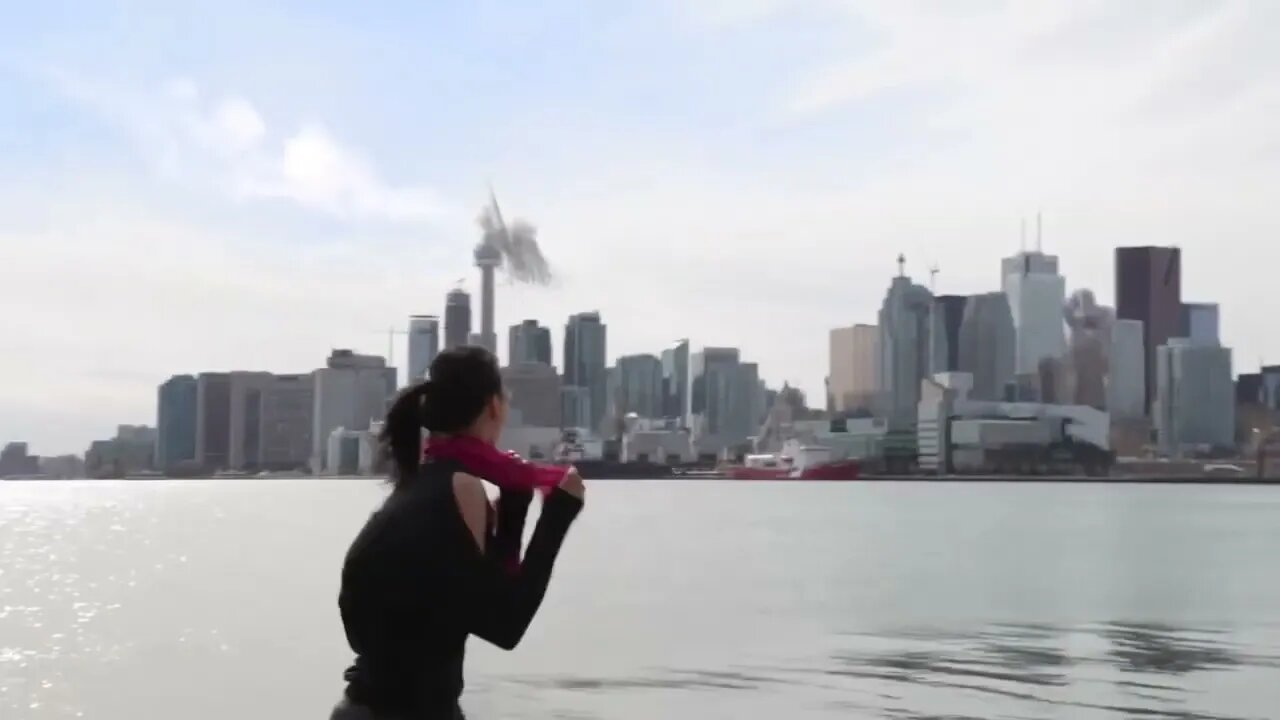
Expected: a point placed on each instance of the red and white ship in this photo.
(795, 462)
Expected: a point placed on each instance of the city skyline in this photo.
(203, 215)
(1206, 314)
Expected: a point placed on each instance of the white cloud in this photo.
(316, 171)
(229, 144)
(239, 124)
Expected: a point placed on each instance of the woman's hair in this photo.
(462, 382)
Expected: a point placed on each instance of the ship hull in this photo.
(841, 471)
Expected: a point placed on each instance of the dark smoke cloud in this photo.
(517, 244)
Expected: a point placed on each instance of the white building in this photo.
(1126, 371)
(529, 441)
(854, 352)
(903, 352)
(663, 447)
(424, 344)
(1036, 293)
(352, 392)
(956, 430)
(1195, 398)
(350, 452)
(1201, 322)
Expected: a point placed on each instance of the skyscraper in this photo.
(1149, 289)
(244, 451)
(176, 422)
(903, 352)
(1195, 397)
(988, 345)
(854, 353)
(948, 314)
(288, 402)
(1200, 323)
(424, 344)
(535, 392)
(1036, 293)
(1087, 358)
(352, 392)
(714, 380)
(640, 383)
(675, 382)
(585, 361)
(529, 342)
(1126, 371)
(457, 318)
(213, 420)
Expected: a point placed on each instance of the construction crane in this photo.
(391, 334)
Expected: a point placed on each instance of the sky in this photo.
(226, 186)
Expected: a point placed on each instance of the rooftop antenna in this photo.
(1039, 236)
(902, 265)
(933, 277)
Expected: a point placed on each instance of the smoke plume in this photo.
(517, 246)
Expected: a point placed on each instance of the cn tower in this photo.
(488, 258)
(515, 250)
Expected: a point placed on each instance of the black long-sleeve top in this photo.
(415, 585)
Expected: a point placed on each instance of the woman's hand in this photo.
(572, 484)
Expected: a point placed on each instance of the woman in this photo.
(437, 562)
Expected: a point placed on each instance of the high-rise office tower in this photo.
(714, 381)
(640, 385)
(903, 351)
(988, 345)
(1200, 323)
(1195, 400)
(424, 344)
(457, 318)
(288, 403)
(585, 361)
(852, 378)
(176, 414)
(675, 382)
(351, 393)
(1126, 371)
(944, 338)
(245, 446)
(1149, 289)
(213, 420)
(534, 388)
(1036, 292)
(528, 342)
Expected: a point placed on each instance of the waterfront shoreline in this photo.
(955, 479)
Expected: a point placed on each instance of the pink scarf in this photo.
(507, 470)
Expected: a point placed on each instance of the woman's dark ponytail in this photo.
(402, 433)
(464, 380)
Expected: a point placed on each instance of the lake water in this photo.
(213, 600)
